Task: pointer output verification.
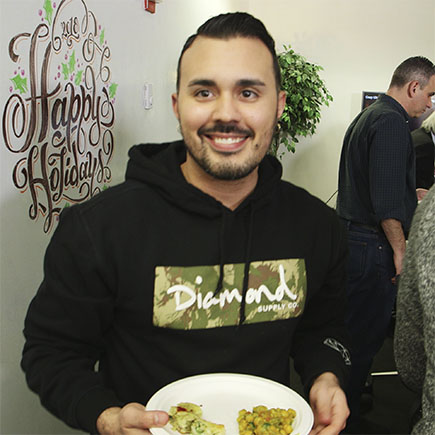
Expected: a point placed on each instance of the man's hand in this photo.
(394, 232)
(329, 405)
(132, 419)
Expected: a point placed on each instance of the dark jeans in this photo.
(371, 297)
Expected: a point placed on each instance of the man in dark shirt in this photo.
(376, 201)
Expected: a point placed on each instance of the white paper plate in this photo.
(223, 395)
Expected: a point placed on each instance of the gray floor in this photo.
(393, 403)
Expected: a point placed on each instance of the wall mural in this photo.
(59, 116)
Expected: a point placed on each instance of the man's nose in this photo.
(226, 109)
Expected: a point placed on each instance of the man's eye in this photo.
(248, 94)
(204, 93)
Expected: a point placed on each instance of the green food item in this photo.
(183, 415)
(203, 427)
(182, 421)
(185, 418)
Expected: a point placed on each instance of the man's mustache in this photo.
(225, 128)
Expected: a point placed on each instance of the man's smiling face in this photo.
(227, 104)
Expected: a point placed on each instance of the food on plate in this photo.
(264, 421)
(186, 407)
(186, 418)
(204, 427)
(183, 415)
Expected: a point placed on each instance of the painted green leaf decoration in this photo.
(48, 10)
(78, 79)
(72, 62)
(112, 90)
(65, 71)
(20, 84)
(68, 68)
(102, 37)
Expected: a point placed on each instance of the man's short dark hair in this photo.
(233, 25)
(415, 68)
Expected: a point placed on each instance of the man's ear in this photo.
(412, 88)
(281, 103)
(174, 98)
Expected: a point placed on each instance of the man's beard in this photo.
(226, 169)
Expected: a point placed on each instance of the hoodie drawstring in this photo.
(247, 264)
(245, 284)
(221, 253)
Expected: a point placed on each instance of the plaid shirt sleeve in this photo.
(389, 153)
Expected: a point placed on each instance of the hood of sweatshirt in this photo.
(158, 166)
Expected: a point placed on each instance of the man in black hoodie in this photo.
(213, 263)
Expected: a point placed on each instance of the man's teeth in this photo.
(227, 140)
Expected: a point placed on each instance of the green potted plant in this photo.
(306, 93)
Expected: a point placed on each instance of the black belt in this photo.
(364, 226)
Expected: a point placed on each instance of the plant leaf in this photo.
(306, 94)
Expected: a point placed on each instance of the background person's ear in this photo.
(412, 88)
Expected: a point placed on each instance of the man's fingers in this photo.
(323, 414)
(134, 415)
(329, 405)
(156, 418)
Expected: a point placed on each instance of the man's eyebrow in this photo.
(240, 83)
(202, 82)
(250, 82)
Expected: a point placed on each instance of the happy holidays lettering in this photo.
(60, 113)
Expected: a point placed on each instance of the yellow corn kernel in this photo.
(288, 428)
(258, 421)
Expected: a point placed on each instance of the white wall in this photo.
(358, 43)
(144, 48)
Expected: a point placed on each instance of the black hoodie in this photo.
(156, 281)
